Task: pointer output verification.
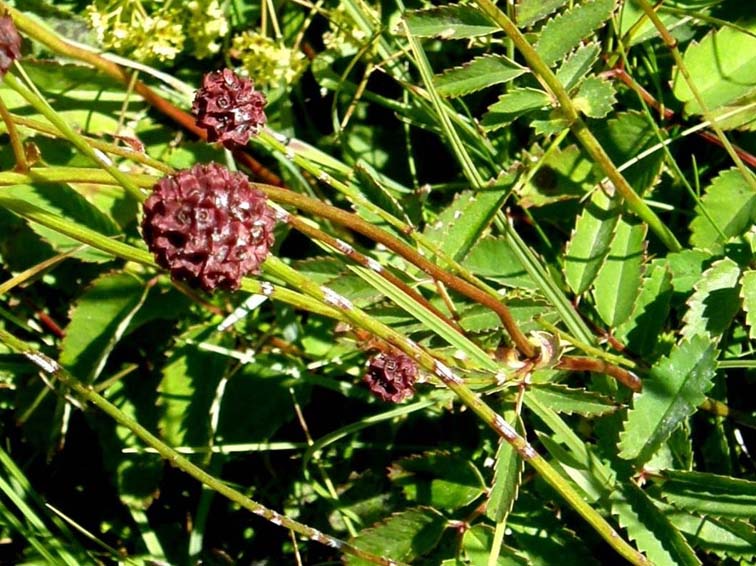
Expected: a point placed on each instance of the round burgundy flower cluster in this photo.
(228, 107)
(10, 44)
(391, 377)
(208, 226)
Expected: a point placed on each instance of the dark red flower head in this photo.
(10, 44)
(208, 226)
(228, 107)
(391, 376)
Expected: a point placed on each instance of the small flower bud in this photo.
(391, 377)
(228, 107)
(10, 44)
(208, 226)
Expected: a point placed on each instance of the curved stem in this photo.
(578, 127)
(18, 147)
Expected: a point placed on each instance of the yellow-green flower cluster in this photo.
(151, 32)
(267, 61)
(343, 35)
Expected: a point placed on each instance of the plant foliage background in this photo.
(591, 171)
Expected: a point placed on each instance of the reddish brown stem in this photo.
(579, 363)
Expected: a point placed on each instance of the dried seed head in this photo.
(228, 107)
(208, 226)
(391, 376)
(10, 44)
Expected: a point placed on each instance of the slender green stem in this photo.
(41, 106)
(18, 146)
(52, 368)
(578, 126)
(671, 44)
(466, 395)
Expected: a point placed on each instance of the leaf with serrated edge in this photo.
(449, 22)
(507, 474)
(590, 241)
(641, 331)
(98, 321)
(715, 301)
(402, 536)
(731, 204)
(564, 173)
(578, 65)
(722, 66)
(510, 106)
(475, 75)
(708, 494)
(564, 399)
(748, 294)
(651, 530)
(675, 387)
(616, 285)
(493, 257)
(531, 11)
(439, 479)
(724, 537)
(567, 30)
(595, 97)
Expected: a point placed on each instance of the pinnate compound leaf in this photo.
(475, 75)
(748, 294)
(651, 530)
(98, 321)
(507, 474)
(68, 204)
(640, 332)
(578, 65)
(563, 399)
(531, 11)
(438, 479)
(708, 494)
(731, 204)
(450, 22)
(590, 241)
(513, 104)
(617, 283)
(566, 30)
(595, 97)
(675, 387)
(722, 66)
(715, 301)
(403, 536)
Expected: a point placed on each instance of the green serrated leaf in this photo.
(565, 31)
(188, 386)
(624, 137)
(478, 318)
(531, 11)
(98, 321)
(449, 22)
(722, 66)
(686, 267)
(438, 479)
(616, 285)
(675, 387)
(590, 241)
(651, 530)
(595, 97)
(748, 294)
(477, 543)
(403, 536)
(708, 494)
(641, 330)
(513, 104)
(66, 203)
(715, 301)
(731, 204)
(563, 399)
(507, 474)
(724, 537)
(578, 65)
(475, 75)
(460, 225)
(563, 173)
(493, 258)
